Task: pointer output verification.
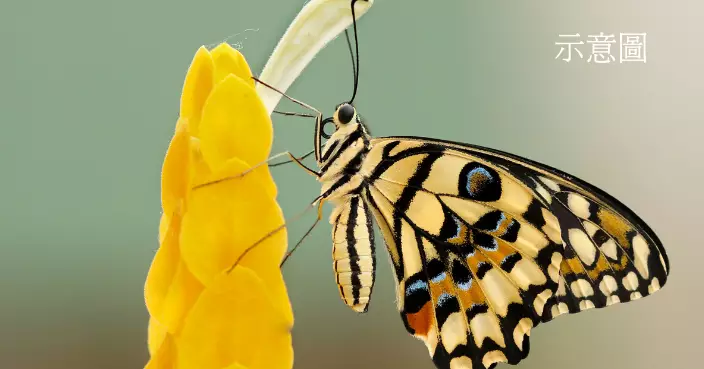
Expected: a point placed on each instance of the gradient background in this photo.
(89, 96)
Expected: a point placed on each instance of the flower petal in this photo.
(197, 87)
(156, 334)
(235, 321)
(235, 124)
(182, 294)
(175, 174)
(165, 357)
(230, 61)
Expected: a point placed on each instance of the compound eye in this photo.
(345, 113)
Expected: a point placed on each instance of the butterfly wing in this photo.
(487, 245)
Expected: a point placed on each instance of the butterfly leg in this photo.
(301, 103)
(300, 164)
(317, 219)
(284, 225)
(294, 114)
(291, 161)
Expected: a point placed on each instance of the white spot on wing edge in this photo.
(462, 362)
(581, 288)
(540, 301)
(641, 252)
(495, 356)
(654, 285)
(630, 281)
(586, 305)
(608, 285)
(522, 329)
(612, 300)
(559, 309)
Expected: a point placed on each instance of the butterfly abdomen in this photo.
(353, 254)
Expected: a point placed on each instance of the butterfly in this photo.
(485, 245)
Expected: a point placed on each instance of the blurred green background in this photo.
(89, 94)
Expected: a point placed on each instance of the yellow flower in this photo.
(201, 314)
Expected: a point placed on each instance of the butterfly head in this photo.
(344, 124)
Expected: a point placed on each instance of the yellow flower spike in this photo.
(236, 322)
(175, 176)
(202, 316)
(196, 88)
(182, 294)
(230, 61)
(235, 124)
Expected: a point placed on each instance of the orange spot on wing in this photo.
(601, 266)
(615, 226)
(474, 295)
(444, 286)
(422, 320)
(623, 263)
(501, 252)
(572, 266)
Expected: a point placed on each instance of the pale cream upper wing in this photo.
(478, 237)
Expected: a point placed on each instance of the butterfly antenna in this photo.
(288, 254)
(294, 114)
(349, 47)
(356, 54)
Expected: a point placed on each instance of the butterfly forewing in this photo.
(486, 245)
(610, 254)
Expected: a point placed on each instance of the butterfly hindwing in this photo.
(486, 246)
(476, 254)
